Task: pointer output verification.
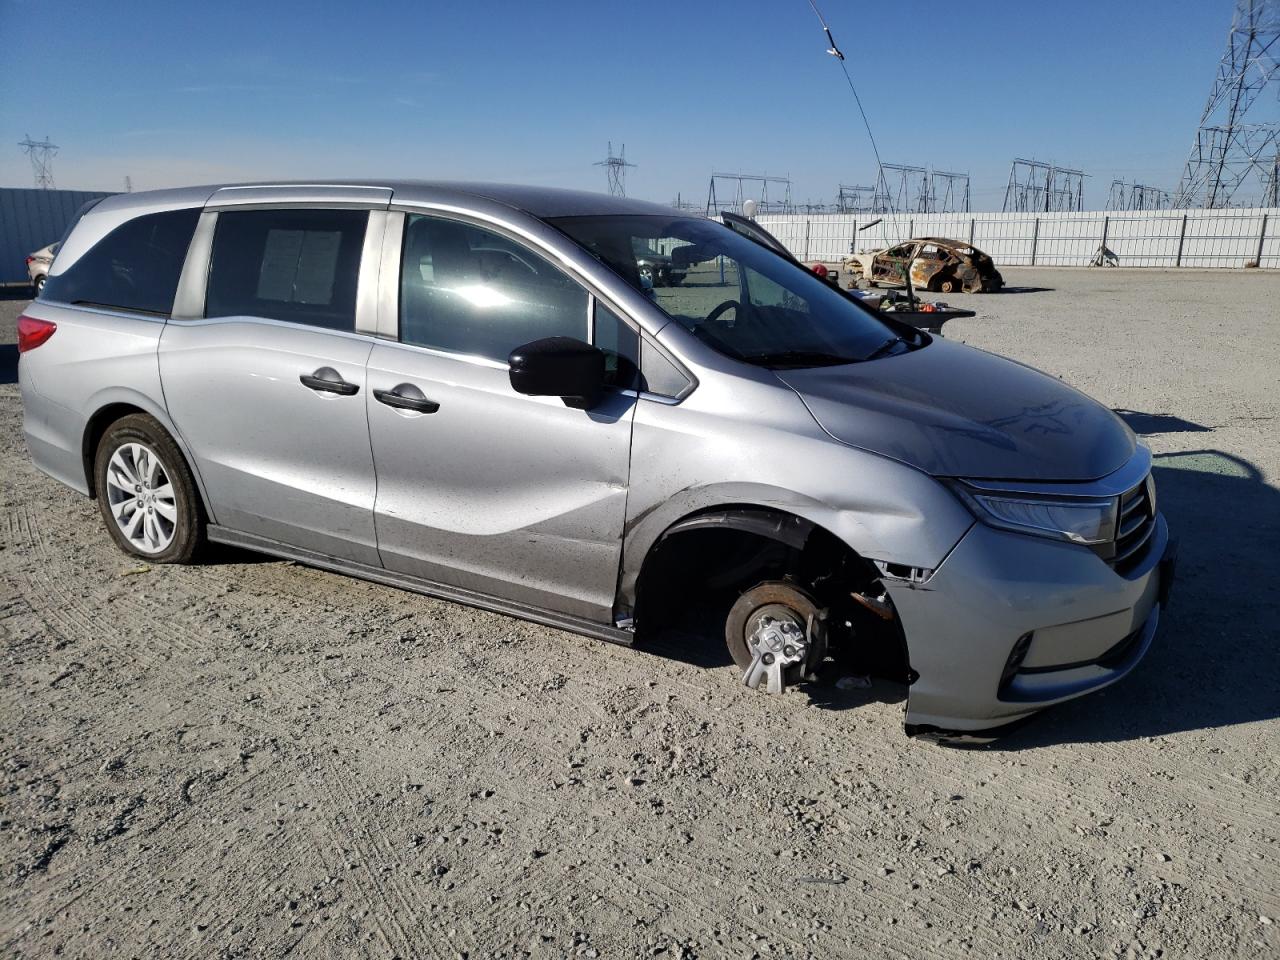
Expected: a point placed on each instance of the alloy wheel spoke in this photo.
(123, 469)
(134, 524)
(167, 510)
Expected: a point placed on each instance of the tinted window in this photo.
(134, 267)
(295, 265)
(470, 291)
(621, 346)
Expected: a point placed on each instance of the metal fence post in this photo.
(1182, 236)
(1106, 228)
(807, 223)
(971, 231)
(1035, 239)
(1262, 235)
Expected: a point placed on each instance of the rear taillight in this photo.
(33, 332)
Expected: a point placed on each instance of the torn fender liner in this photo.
(792, 531)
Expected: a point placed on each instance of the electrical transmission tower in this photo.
(771, 194)
(948, 192)
(1228, 151)
(1042, 187)
(854, 199)
(616, 168)
(901, 189)
(41, 153)
(1137, 196)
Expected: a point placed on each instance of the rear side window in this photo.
(468, 290)
(134, 267)
(295, 265)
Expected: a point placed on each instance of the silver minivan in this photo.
(473, 391)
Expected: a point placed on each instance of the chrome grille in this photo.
(1134, 527)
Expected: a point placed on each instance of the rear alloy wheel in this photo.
(39, 285)
(776, 635)
(146, 493)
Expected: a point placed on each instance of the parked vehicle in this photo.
(937, 265)
(469, 391)
(655, 267)
(38, 265)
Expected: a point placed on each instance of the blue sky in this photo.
(173, 93)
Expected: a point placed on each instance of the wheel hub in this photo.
(778, 642)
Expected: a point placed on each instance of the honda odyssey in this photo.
(471, 391)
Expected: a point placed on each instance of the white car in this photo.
(38, 264)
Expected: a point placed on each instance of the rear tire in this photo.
(39, 285)
(146, 493)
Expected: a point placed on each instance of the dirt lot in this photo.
(252, 758)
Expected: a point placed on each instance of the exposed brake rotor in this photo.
(784, 643)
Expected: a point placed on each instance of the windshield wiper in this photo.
(885, 347)
(796, 358)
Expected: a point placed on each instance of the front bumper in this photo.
(1089, 626)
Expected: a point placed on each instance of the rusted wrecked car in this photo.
(937, 265)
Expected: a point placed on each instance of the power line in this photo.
(835, 52)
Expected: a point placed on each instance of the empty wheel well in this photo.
(702, 564)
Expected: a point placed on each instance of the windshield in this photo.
(732, 293)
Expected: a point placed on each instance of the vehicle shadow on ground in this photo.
(15, 293)
(8, 363)
(1146, 424)
(1213, 663)
(1026, 289)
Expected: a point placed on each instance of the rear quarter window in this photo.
(134, 267)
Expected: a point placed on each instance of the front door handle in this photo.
(328, 380)
(406, 396)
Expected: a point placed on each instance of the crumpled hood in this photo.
(954, 411)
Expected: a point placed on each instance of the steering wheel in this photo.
(714, 315)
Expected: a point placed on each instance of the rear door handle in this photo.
(405, 396)
(328, 380)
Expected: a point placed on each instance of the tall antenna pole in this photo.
(41, 153)
(616, 168)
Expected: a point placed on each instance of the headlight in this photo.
(1078, 520)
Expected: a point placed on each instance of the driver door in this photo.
(479, 487)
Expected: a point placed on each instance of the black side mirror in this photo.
(559, 367)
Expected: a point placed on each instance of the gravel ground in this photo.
(252, 758)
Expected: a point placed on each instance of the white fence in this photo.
(1137, 238)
